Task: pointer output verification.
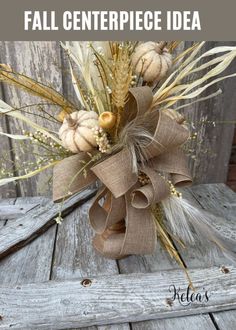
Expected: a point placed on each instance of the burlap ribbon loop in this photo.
(168, 135)
(101, 219)
(116, 173)
(121, 212)
(140, 101)
(151, 193)
(176, 164)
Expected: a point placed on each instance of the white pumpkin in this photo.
(76, 131)
(151, 60)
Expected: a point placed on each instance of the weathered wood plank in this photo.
(226, 319)
(37, 221)
(8, 212)
(10, 201)
(157, 262)
(217, 198)
(160, 260)
(41, 61)
(188, 322)
(214, 140)
(74, 255)
(33, 262)
(70, 304)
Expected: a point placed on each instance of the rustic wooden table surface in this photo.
(51, 278)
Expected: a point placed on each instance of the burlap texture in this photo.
(67, 181)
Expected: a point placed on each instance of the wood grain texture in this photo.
(220, 199)
(160, 260)
(154, 263)
(8, 212)
(74, 255)
(70, 259)
(37, 221)
(121, 298)
(197, 322)
(33, 262)
(226, 319)
(41, 61)
(5, 153)
(214, 140)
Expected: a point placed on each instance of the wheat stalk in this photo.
(122, 77)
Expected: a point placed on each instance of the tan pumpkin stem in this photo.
(161, 46)
(71, 122)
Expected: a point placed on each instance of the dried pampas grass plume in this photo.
(183, 217)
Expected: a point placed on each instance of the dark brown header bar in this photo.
(117, 20)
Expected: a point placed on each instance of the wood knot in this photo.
(86, 282)
(224, 270)
(169, 302)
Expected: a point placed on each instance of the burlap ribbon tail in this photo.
(121, 211)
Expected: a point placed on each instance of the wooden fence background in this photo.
(46, 62)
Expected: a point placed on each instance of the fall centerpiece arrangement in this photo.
(126, 133)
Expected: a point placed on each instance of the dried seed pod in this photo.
(107, 120)
(152, 61)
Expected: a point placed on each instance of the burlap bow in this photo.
(125, 198)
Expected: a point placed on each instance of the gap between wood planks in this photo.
(37, 221)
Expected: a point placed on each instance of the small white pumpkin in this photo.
(151, 60)
(76, 131)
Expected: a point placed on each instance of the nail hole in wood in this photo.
(225, 206)
(169, 302)
(1, 318)
(86, 282)
(225, 270)
(21, 208)
(20, 225)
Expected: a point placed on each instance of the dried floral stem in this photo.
(172, 45)
(40, 106)
(76, 82)
(34, 87)
(166, 241)
(118, 120)
(104, 80)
